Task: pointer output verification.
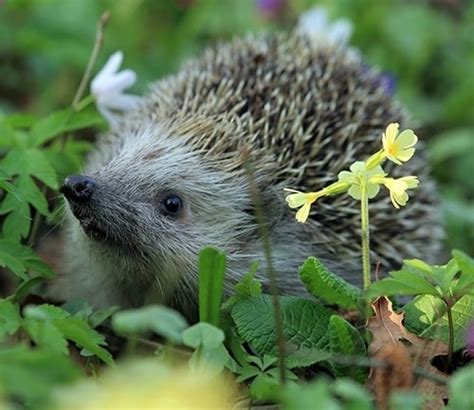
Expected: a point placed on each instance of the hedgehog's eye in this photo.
(172, 204)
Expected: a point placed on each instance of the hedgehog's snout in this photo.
(78, 188)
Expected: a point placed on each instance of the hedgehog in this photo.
(169, 179)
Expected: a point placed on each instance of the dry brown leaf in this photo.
(387, 328)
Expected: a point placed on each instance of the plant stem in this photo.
(99, 39)
(265, 235)
(365, 237)
(451, 335)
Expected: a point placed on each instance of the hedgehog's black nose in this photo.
(78, 188)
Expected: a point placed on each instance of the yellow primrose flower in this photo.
(398, 188)
(148, 385)
(398, 147)
(303, 201)
(358, 172)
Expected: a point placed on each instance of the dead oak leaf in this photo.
(387, 328)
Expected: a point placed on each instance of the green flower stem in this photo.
(451, 336)
(364, 217)
(84, 102)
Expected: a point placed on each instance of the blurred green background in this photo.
(426, 48)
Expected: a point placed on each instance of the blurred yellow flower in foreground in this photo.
(398, 148)
(148, 385)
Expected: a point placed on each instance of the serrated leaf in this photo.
(31, 162)
(211, 284)
(325, 285)
(426, 316)
(46, 335)
(305, 324)
(163, 321)
(19, 258)
(247, 287)
(344, 339)
(17, 223)
(83, 335)
(10, 318)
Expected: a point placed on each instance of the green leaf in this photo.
(402, 282)
(60, 122)
(83, 335)
(203, 334)
(460, 389)
(325, 285)
(19, 258)
(10, 319)
(464, 261)
(305, 324)
(427, 317)
(24, 289)
(314, 396)
(247, 287)
(30, 162)
(46, 335)
(30, 375)
(410, 400)
(211, 284)
(159, 319)
(207, 340)
(101, 315)
(346, 340)
(72, 328)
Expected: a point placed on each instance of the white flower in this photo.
(316, 25)
(108, 88)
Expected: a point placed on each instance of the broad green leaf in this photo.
(159, 319)
(345, 340)
(325, 285)
(210, 352)
(354, 395)
(464, 261)
(203, 334)
(305, 324)
(211, 284)
(402, 283)
(10, 319)
(17, 223)
(426, 316)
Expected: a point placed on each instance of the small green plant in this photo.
(451, 284)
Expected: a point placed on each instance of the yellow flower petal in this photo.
(303, 213)
(407, 139)
(296, 200)
(398, 148)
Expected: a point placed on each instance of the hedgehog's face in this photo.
(151, 207)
